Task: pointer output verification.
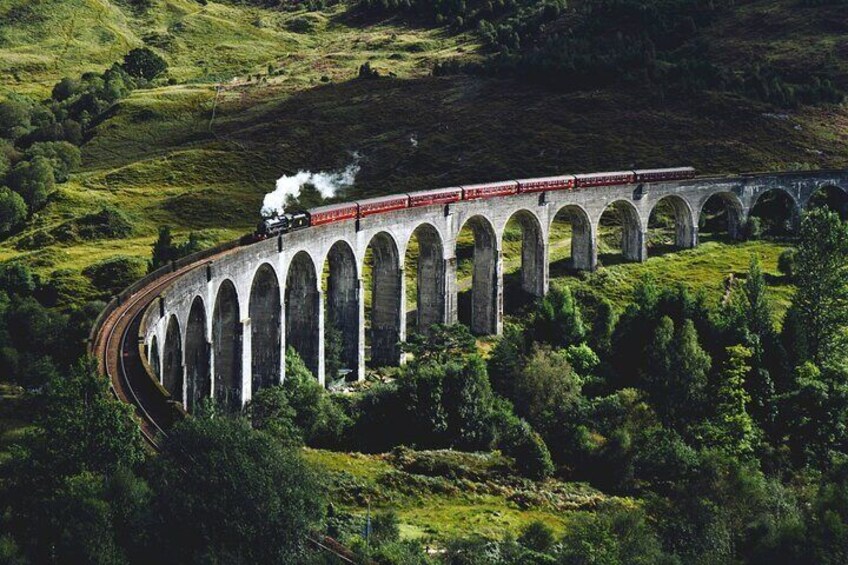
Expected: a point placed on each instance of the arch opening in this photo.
(620, 234)
(774, 214)
(153, 358)
(302, 307)
(197, 350)
(477, 255)
(265, 333)
(572, 246)
(172, 361)
(383, 301)
(721, 216)
(832, 197)
(424, 267)
(670, 226)
(226, 346)
(341, 315)
(524, 260)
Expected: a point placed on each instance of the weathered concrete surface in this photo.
(301, 304)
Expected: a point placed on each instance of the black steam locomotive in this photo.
(281, 223)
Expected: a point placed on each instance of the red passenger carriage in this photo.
(605, 179)
(333, 213)
(489, 190)
(544, 184)
(437, 196)
(382, 204)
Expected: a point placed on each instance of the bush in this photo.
(537, 536)
(114, 274)
(269, 410)
(753, 228)
(13, 211)
(14, 118)
(17, 279)
(64, 157)
(786, 262)
(143, 63)
(526, 447)
(34, 181)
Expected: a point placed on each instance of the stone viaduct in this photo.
(222, 329)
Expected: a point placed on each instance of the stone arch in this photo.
(153, 358)
(685, 234)
(771, 203)
(532, 252)
(485, 295)
(226, 347)
(429, 267)
(386, 289)
(829, 195)
(172, 360)
(584, 252)
(728, 204)
(198, 376)
(342, 314)
(265, 333)
(302, 308)
(632, 232)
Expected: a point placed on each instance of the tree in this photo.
(558, 320)
(731, 428)
(55, 494)
(269, 410)
(163, 249)
(226, 493)
(321, 421)
(34, 181)
(468, 402)
(526, 447)
(13, 211)
(64, 157)
(545, 386)
(822, 280)
(507, 360)
(676, 376)
(141, 62)
(14, 118)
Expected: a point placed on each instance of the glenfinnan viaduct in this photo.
(221, 326)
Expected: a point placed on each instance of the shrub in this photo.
(14, 118)
(64, 157)
(13, 211)
(141, 62)
(526, 447)
(16, 278)
(753, 228)
(786, 262)
(34, 181)
(115, 273)
(537, 536)
(269, 410)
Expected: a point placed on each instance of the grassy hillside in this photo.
(262, 93)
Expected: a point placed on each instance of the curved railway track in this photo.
(116, 349)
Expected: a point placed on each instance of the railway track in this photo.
(117, 351)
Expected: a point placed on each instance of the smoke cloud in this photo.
(327, 184)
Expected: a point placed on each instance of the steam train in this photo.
(279, 224)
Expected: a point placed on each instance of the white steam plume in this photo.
(327, 184)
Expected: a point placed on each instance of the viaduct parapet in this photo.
(221, 329)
